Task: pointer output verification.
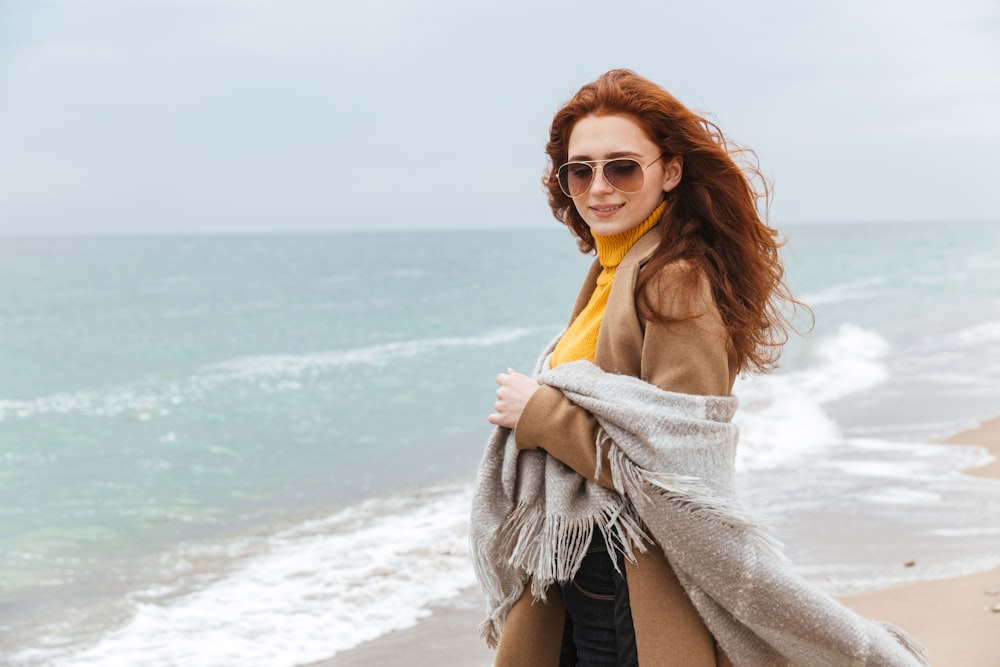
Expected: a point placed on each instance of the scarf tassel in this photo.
(547, 549)
(690, 494)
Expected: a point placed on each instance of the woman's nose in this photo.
(600, 185)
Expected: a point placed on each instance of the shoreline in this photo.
(952, 617)
(985, 435)
(449, 636)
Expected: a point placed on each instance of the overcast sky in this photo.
(125, 116)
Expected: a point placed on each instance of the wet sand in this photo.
(958, 620)
(449, 637)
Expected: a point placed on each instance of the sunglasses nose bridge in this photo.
(597, 176)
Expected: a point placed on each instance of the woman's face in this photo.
(606, 210)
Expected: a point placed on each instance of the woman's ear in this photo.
(672, 172)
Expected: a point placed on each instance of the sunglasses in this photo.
(623, 174)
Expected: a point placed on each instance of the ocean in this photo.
(259, 450)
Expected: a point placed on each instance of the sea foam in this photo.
(781, 417)
(987, 332)
(320, 587)
(146, 399)
(376, 355)
(849, 291)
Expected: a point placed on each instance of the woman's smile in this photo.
(606, 210)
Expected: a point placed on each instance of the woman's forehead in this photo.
(608, 136)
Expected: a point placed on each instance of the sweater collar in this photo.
(611, 250)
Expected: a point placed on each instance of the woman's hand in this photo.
(514, 392)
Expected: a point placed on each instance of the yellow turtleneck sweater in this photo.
(580, 339)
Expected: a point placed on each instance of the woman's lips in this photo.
(606, 211)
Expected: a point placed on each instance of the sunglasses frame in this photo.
(593, 173)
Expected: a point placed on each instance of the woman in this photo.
(605, 530)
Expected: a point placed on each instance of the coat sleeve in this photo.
(691, 354)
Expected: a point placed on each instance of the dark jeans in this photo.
(598, 631)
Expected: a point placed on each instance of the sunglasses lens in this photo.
(624, 175)
(575, 178)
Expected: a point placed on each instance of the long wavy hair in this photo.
(716, 217)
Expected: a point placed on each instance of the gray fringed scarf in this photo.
(672, 463)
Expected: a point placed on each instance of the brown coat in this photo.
(693, 356)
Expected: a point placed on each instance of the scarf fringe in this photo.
(691, 495)
(915, 648)
(550, 548)
(491, 628)
(547, 549)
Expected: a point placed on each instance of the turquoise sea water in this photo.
(150, 386)
(192, 427)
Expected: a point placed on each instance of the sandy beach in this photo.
(449, 637)
(957, 619)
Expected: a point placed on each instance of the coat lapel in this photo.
(619, 342)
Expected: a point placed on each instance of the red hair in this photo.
(712, 220)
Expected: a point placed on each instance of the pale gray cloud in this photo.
(227, 115)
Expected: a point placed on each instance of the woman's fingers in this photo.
(512, 394)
